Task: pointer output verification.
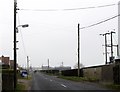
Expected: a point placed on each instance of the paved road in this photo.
(45, 82)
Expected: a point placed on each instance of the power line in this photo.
(39, 9)
(102, 6)
(22, 37)
(78, 9)
(100, 22)
(91, 7)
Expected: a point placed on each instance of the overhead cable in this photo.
(69, 9)
(91, 7)
(100, 22)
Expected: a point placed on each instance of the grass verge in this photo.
(113, 86)
(20, 87)
(23, 83)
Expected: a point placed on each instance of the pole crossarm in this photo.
(25, 25)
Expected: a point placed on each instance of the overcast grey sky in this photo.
(53, 34)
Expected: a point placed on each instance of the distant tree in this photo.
(76, 66)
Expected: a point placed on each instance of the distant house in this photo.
(7, 63)
(5, 60)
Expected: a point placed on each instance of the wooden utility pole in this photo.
(15, 56)
(62, 64)
(27, 66)
(48, 64)
(78, 50)
(117, 51)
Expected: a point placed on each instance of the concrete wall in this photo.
(92, 72)
(104, 73)
(116, 72)
(107, 73)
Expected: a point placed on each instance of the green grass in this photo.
(113, 86)
(20, 87)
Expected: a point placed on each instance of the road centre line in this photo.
(63, 85)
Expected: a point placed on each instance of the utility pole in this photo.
(105, 46)
(42, 66)
(15, 56)
(117, 50)
(27, 66)
(62, 64)
(111, 60)
(111, 45)
(48, 64)
(78, 50)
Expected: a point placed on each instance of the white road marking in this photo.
(63, 85)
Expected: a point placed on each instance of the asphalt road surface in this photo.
(42, 81)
